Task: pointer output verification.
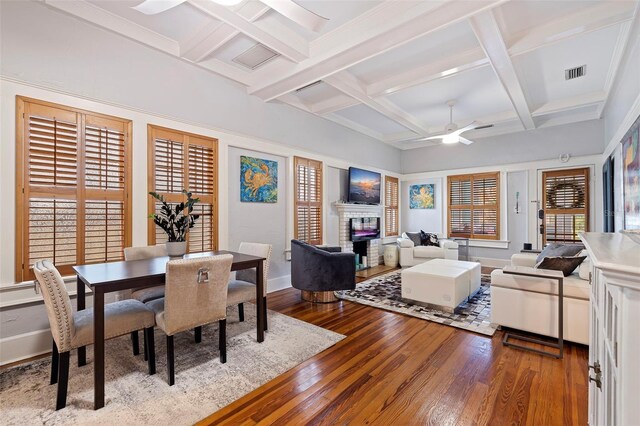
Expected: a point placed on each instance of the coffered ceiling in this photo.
(388, 68)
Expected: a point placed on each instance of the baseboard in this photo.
(491, 262)
(23, 346)
(279, 283)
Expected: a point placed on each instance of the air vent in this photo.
(576, 72)
(255, 57)
(308, 86)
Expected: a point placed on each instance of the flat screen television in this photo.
(364, 228)
(364, 186)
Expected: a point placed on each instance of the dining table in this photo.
(109, 277)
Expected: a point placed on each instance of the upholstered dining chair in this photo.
(145, 294)
(72, 330)
(243, 288)
(195, 295)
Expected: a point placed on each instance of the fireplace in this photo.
(369, 248)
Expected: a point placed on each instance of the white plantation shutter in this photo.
(308, 200)
(72, 202)
(566, 201)
(391, 192)
(474, 206)
(177, 161)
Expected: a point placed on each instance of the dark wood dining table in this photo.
(116, 276)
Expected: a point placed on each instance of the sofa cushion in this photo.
(523, 259)
(573, 285)
(413, 236)
(427, 251)
(558, 249)
(429, 239)
(565, 264)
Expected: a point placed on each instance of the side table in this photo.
(465, 245)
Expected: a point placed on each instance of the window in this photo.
(177, 161)
(308, 200)
(565, 202)
(73, 184)
(390, 206)
(474, 206)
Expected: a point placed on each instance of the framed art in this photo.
(421, 196)
(258, 180)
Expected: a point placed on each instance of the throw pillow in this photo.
(566, 264)
(414, 236)
(558, 249)
(429, 239)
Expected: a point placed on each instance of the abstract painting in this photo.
(421, 196)
(631, 176)
(258, 180)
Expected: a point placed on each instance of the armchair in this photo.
(412, 254)
(319, 271)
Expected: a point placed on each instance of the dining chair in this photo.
(243, 288)
(195, 295)
(145, 294)
(72, 330)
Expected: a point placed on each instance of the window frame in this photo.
(388, 206)
(586, 171)
(23, 191)
(471, 207)
(309, 204)
(152, 131)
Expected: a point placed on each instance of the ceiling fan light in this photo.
(449, 139)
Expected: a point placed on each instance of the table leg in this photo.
(98, 347)
(81, 305)
(260, 301)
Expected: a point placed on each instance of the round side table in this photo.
(391, 255)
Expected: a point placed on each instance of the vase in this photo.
(176, 249)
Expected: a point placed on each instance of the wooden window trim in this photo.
(22, 189)
(391, 206)
(309, 204)
(186, 139)
(471, 207)
(566, 172)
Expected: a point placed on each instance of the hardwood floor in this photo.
(395, 369)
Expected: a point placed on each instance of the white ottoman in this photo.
(441, 282)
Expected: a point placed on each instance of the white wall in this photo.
(427, 220)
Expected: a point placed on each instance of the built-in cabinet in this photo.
(614, 340)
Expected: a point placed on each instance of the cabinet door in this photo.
(596, 337)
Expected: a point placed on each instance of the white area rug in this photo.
(203, 385)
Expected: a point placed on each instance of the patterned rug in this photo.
(384, 292)
(202, 387)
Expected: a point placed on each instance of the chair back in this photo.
(255, 249)
(57, 303)
(145, 252)
(195, 292)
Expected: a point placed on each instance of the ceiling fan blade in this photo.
(428, 139)
(461, 130)
(464, 140)
(298, 14)
(486, 126)
(152, 7)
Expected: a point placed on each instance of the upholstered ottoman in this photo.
(441, 283)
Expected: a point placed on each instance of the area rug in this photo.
(384, 292)
(202, 386)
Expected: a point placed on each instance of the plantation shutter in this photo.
(391, 206)
(474, 206)
(177, 161)
(72, 200)
(565, 201)
(308, 200)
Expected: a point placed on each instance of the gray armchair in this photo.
(319, 271)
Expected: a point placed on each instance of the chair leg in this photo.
(135, 343)
(55, 356)
(241, 311)
(265, 314)
(171, 374)
(223, 340)
(144, 346)
(150, 349)
(198, 334)
(63, 380)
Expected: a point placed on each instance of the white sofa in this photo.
(411, 255)
(531, 304)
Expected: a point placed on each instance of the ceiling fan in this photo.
(452, 132)
(288, 8)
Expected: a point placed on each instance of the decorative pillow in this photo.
(558, 249)
(414, 236)
(428, 239)
(566, 264)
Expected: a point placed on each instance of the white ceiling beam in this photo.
(212, 37)
(629, 31)
(105, 19)
(333, 104)
(350, 85)
(487, 32)
(294, 101)
(569, 104)
(443, 68)
(294, 49)
(387, 26)
(586, 20)
(354, 126)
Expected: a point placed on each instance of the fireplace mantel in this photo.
(360, 208)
